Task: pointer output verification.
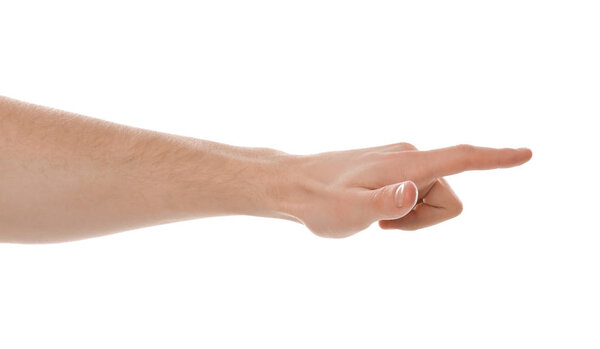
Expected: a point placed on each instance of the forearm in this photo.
(65, 176)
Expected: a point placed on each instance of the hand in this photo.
(337, 194)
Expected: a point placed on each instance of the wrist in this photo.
(276, 186)
(251, 181)
(289, 190)
(245, 181)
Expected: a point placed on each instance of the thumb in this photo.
(395, 200)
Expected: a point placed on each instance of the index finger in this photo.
(464, 157)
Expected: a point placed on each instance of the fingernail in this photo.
(399, 196)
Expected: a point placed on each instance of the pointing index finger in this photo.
(464, 157)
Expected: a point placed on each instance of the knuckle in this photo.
(458, 208)
(406, 146)
(465, 148)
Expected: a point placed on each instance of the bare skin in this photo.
(67, 177)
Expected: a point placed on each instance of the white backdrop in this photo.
(519, 268)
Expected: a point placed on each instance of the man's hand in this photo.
(66, 177)
(337, 194)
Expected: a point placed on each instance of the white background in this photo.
(519, 268)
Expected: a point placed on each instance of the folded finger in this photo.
(440, 204)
